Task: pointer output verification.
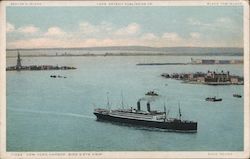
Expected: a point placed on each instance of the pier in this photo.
(173, 63)
(198, 62)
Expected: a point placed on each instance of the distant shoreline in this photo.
(129, 54)
(129, 51)
(131, 48)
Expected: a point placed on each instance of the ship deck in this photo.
(141, 115)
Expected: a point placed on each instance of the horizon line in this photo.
(120, 46)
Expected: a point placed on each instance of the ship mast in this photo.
(122, 100)
(165, 112)
(179, 111)
(108, 105)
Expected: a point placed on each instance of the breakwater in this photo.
(175, 63)
(198, 62)
(38, 68)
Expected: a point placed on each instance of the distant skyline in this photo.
(165, 26)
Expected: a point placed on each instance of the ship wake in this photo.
(51, 113)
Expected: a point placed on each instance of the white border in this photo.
(124, 154)
(2, 80)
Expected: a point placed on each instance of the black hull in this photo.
(214, 100)
(237, 96)
(173, 125)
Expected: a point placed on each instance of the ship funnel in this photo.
(148, 107)
(138, 105)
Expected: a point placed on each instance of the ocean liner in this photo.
(149, 118)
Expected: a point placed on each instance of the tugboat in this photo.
(58, 76)
(151, 93)
(213, 99)
(237, 95)
(149, 118)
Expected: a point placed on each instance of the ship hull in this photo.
(169, 125)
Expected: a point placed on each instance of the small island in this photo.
(19, 67)
(209, 78)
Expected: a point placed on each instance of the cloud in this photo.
(107, 34)
(195, 35)
(196, 22)
(87, 28)
(171, 36)
(106, 29)
(10, 27)
(149, 36)
(223, 20)
(227, 24)
(218, 23)
(55, 31)
(106, 26)
(30, 29)
(36, 43)
(99, 30)
(131, 29)
(149, 39)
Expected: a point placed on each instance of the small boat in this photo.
(237, 95)
(57, 76)
(213, 99)
(151, 93)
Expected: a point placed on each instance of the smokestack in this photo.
(138, 105)
(148, 107)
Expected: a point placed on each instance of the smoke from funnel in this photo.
(148, 99)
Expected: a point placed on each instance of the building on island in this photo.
(210, 78)
(217, 77)
(212, 61)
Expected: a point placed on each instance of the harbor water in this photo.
(56, 114)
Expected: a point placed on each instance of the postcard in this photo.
(124, 79)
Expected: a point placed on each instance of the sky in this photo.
(154, 26)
